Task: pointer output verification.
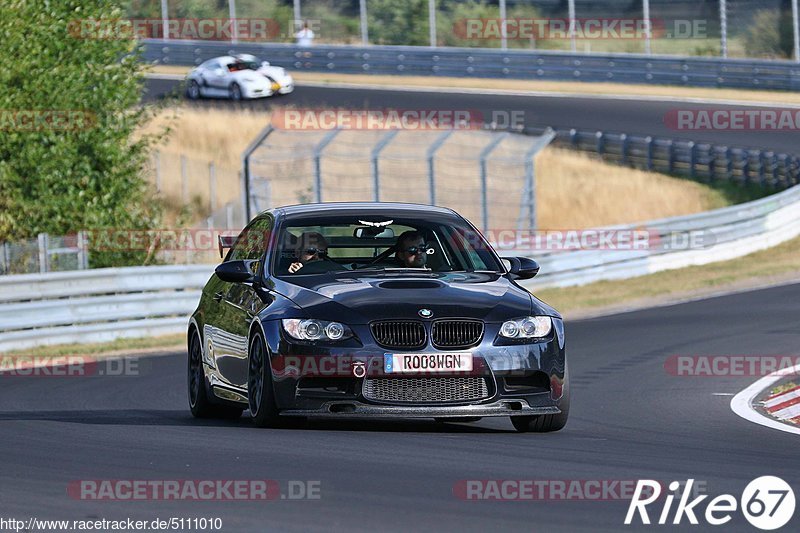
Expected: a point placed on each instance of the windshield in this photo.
(368, 244)
(243, 65)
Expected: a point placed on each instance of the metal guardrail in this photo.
(721, 234)
(97, 305)
(104, 304)
(492, 63)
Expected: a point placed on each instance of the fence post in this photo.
(530, 174)
(484, 181)
(650, 142)
(761, 167)
(376, 152)
(232, 16)
(244, 174)
(362, 10)
(165, 21)
(573, 137)
(229, 216)
(158, 170)
(431, 166)
(624, 149)
(723, 28)
(184, 182)
(5, 259)
(692, 158)
(503, 26)
(432, 22)
(318, 163)
(212, 186)
(647, 26)
(44, 258)
(83, 250)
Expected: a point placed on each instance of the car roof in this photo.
(362, 208)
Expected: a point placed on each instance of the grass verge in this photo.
(772, 265)
(107, 349)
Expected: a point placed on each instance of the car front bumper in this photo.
(521, 379)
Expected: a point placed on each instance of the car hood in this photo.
(276, 73)
(488, 297)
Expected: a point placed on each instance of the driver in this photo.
(311, 247)
(411, 250)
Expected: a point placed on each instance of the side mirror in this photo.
(522, 267)
(235, 271)
(265, 63)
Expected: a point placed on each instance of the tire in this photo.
(199, 404)
(546, 423)
(260, 394)
(235, 92)
(193, 90)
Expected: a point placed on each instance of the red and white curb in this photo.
(784, 408)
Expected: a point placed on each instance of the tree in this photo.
(79, 165)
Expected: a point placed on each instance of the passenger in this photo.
(411, 250)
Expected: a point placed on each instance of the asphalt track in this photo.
(630, 419)
(631, 116)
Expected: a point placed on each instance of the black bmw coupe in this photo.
(374, 310)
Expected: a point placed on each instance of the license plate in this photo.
(394, 363)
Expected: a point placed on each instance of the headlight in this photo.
(313, 330)
(529, 327)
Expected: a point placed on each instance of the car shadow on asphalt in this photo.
(159, 417)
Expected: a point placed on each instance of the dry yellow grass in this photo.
(578, 191)
(557, 87)
(574, 190)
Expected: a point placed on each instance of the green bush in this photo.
(87, 172)
(764, 37)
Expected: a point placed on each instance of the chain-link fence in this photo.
(46, 253)
(465, 170)
(730, 28)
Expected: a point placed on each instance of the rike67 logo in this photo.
(767, 503)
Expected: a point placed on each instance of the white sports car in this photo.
(237, 77)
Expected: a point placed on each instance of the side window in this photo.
(252, 242)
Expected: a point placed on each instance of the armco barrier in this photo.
(493, 63)
(99, 305)
(104, 304)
